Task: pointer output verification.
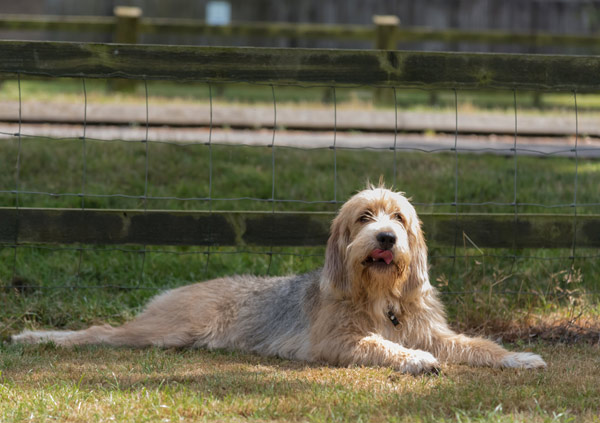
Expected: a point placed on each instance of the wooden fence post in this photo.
(128, 19)
(385, 39)
(385, 31)
(126, 32)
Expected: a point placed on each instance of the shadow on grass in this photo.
(244, 381)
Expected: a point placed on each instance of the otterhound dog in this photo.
(371, 304)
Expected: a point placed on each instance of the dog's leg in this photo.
(176, 318)
(94, 335)
(147, 329)
(373, 350)
(130, 334)
(454, 348)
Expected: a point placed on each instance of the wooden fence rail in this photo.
(302, 66)
(219, 228)
(343, 32)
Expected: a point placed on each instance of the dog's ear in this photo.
(418, 268)
(335, 275)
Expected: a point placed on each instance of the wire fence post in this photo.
(395, 138)
(334, 147)
(210, 175)
(83, 170)
(516, 169)
(145, 197)
(455, 202)
(17, 180)
(575, 183)
(272, 146)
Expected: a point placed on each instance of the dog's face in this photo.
(376, 246)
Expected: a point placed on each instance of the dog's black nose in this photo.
(386, 240)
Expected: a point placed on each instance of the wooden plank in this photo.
(290, 30)
(302, 66)
(188, 26)
(281, 229)
(19, 22)
(506, 231)
(258, 29)
(67, 226)
(420, 34)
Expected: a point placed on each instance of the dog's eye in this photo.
(365, 217)
(399, 217)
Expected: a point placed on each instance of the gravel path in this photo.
(297, 117)
(304, 127)
(560, 146)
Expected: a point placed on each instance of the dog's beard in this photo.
(376, 277)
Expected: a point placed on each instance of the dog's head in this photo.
(376, 247)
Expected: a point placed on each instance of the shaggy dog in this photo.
(371, 304)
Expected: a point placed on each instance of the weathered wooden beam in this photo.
(68, 226)
(28, 22)
(258, 29)
(148, 25)
(302, 66)
(508, 231)
(420, 34)
(290, 30)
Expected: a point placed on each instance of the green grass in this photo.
(57, 166)
(44, 383)
(99, 90)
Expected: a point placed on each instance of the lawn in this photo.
(538, 300)
(89, 384)
(59, 286)
(100, 91)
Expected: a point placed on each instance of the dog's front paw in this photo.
(523, 361)
(419, 362)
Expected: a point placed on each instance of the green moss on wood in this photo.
(302, 66)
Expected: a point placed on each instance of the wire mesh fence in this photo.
(502, 192)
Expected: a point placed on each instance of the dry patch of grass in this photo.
(554, 327)
(567, 325)
(102, 384)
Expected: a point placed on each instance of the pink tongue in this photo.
(385, 255)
